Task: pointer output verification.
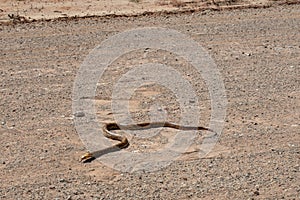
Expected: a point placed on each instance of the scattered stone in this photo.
(192, 101)
(79, 114)
(62, 180)
(51, 187)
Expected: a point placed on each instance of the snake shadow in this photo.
(99, 153)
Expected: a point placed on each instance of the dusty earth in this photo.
(257, 52)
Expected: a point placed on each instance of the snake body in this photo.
(108, 127)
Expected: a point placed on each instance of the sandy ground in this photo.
(257, 157)
(41, 9)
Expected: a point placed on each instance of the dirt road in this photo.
(52, 9)
(257, 157)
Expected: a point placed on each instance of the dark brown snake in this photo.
(108, 127)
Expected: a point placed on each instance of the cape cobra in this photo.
(108, 127)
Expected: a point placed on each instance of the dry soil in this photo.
(257, 52)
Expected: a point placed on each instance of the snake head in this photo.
(87, 157)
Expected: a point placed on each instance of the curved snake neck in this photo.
(108, 127)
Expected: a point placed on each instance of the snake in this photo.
(123, 141)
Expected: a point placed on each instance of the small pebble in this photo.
(79, 114)
(192, 101)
